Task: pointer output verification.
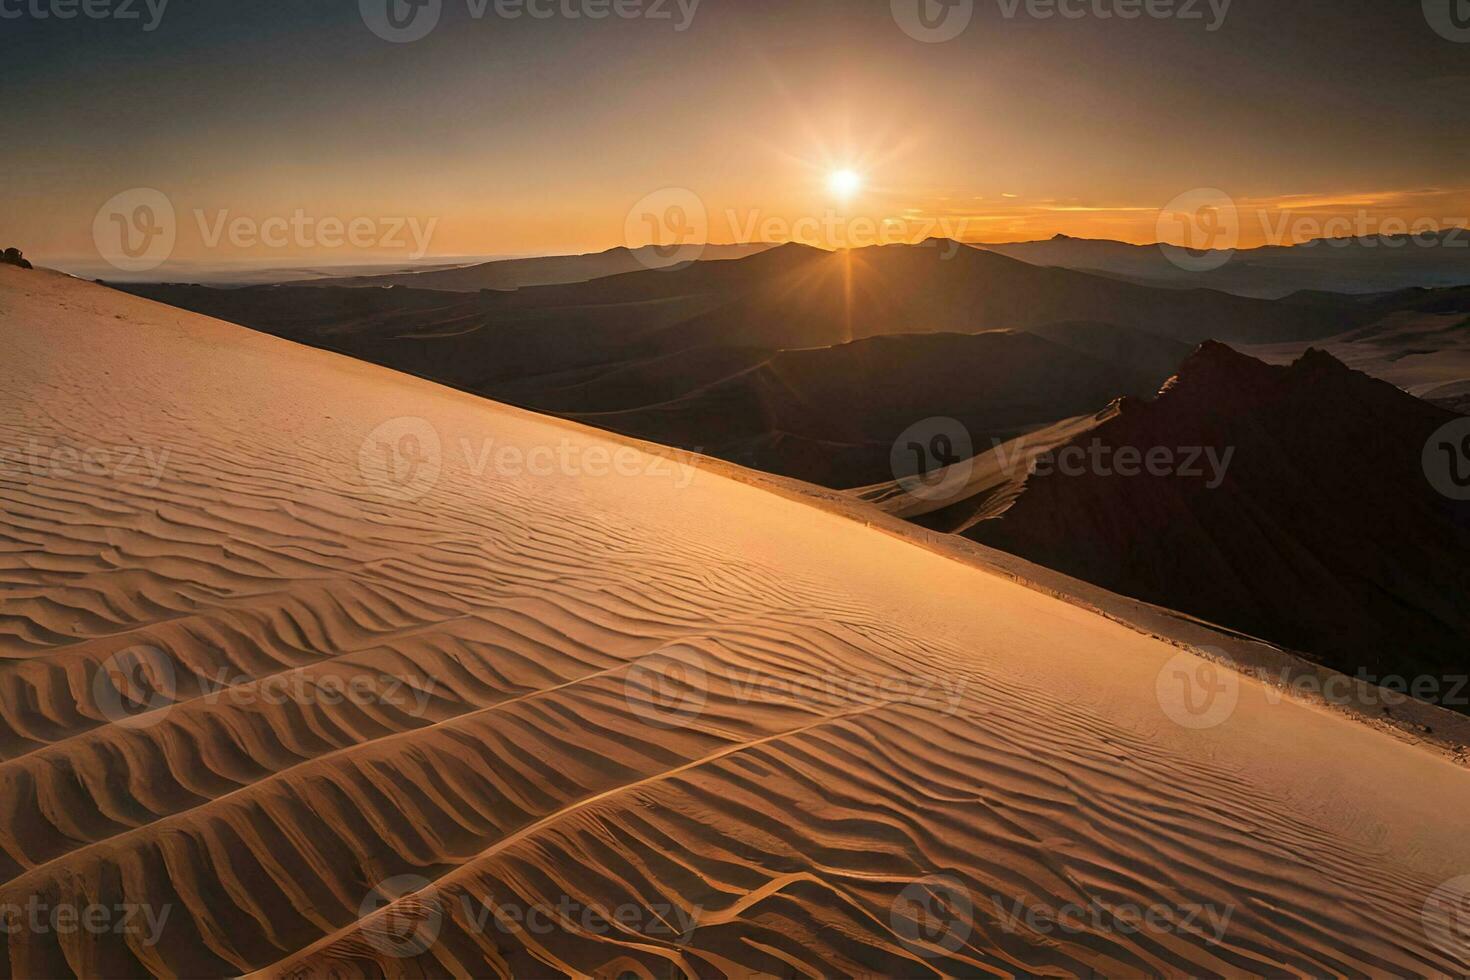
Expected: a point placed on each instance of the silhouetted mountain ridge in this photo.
(510, 274)
(1323, 534)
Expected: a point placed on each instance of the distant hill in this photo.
(787, 297)
(831, 415)
(795, 360)
(794, 296)
(551, 270)
(1376, 264)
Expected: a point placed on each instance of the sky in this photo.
(279, 133)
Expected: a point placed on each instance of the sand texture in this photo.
(726, 732)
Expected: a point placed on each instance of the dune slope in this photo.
(653, 720)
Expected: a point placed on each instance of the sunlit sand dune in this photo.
(323, 671)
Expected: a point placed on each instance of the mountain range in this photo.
(787, 297)
(1368, 264)
(503, 274)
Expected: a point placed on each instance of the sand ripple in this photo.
(604, 726)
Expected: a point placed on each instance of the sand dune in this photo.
(722, 730)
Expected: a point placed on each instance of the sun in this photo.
(844, 183)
